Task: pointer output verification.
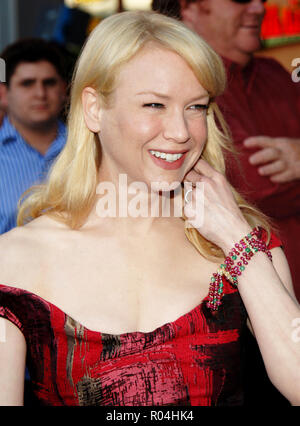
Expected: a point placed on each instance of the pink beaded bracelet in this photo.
(234, 264)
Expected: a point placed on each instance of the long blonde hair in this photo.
(70, 191)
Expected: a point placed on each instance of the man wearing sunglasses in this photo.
(262, 107)
(231, 27)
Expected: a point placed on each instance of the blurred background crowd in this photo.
(68, 22)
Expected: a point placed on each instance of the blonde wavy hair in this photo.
(70, 191)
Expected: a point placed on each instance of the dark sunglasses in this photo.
(246, 1)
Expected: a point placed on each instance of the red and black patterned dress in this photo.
(195, 360)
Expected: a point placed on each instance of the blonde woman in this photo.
(117, 308)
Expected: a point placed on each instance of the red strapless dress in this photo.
(195, 360)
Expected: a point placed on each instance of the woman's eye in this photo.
(199, 107)
(154, 105)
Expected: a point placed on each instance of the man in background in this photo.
(31, 133)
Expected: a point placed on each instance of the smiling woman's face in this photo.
(154, 128)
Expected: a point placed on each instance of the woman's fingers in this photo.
(211, 207)
(203, 168)
(193, 177)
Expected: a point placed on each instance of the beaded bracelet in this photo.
(242, 252)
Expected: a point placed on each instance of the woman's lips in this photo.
(168, 165)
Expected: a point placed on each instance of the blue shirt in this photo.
(21, 166)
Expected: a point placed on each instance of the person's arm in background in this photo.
(277, 158)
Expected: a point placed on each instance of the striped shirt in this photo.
(21, 166)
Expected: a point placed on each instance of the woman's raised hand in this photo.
(223, 222)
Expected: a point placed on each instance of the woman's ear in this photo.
(91, 109)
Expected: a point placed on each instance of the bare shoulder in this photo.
(23, 252)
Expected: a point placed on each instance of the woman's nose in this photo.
(176, 127)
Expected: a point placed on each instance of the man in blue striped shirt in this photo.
(31, 134)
